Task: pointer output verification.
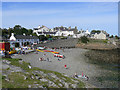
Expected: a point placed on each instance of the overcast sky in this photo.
(84, 15)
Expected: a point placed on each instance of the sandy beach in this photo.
(74, 59)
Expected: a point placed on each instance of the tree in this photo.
(116, 37)
(24, 30)
(17, 45)
(84, 39)
(95, 31)
(111, 36)
(34, 34)
(30, 31)
(42, 38)
(10, 30)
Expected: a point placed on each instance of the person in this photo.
(76, 75)
(48, 59)
(86, 77)
(58, 59)
(82, 74)
(65, 66)
(41, 59)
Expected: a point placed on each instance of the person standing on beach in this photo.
(65, 66)
(82, 74)
(48, 59)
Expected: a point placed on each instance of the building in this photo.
(99, 35)
(64, 31)
(44, 31)
(81, 33)
(22, 39)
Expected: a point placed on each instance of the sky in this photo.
(84, 15)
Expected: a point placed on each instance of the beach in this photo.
(74, 59)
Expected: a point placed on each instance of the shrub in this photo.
(17, 45)
(84, 39)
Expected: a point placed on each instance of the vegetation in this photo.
(95, 31)
(84, 39)
(16, 44)
(17, 78)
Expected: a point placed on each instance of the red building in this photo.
(5, 46)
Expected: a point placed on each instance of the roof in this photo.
(63, 29)
(25, 37)
(47, 32)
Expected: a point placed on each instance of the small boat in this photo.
(55, 52)
(12, 52)
(39, 50)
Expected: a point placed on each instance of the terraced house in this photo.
(43, 31)
(22, 40)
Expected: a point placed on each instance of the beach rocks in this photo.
(41, 79)
(66, 85)
(44, 80)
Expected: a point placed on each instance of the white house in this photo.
(64, 31)
(21, 39)
(81, 33)
(43, 31)
(99, 35)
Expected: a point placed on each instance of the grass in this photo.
(97, 41)
(17, 78)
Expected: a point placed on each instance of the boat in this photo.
(39, 50)
(12, 52)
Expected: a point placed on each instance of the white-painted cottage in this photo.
(43, 31)
(81, 33)
(21, 39)
(64, 31)
(99, 35)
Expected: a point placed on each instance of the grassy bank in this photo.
(17, 79)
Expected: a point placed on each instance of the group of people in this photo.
(82, 76)
(43, 59)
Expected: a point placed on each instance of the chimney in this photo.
(12, 34)
(69, 27)
(38, 26)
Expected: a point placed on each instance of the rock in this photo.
(32, 77)
(29, 67)
(40, 86)
(66, 75)
(76, 81)
(25, 77)
(60, 84)
(74, 85)
(16, 69)
(8, 62)
(38, 77)
(21, 61)
(66, 85)
(29, 86)
(44, 80)
(5, 66)
(7, 79)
